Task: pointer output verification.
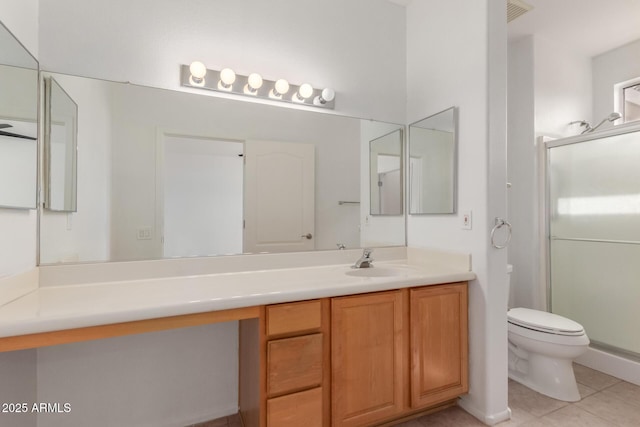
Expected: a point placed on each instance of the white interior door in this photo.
(202, 197)
(280, 197)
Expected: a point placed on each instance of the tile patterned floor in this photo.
(606, 401)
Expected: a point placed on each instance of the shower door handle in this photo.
(499, 224)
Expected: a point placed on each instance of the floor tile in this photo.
(518, 417)
(585, 391)
(570, 416)
(627, 392)
(450, 417)
(592, 378)
(611, 409)
(522, 398)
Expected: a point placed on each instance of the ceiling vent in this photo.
(516, 8)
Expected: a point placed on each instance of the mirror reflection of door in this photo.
(280, 197)
(388, 183)
(203, 193)
(385, 170)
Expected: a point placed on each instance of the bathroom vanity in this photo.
(355, 360)
(319, 345)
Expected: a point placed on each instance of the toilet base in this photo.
(549, 376)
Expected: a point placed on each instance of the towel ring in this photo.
(499, 224)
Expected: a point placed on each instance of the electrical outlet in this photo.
(466, 220)
(144, 233)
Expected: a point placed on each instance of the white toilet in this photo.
(542, 347)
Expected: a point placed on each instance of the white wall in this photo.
(549, 87)
(521, 151)
(454, 49)
(21, 17)
(562, 85)
(161, 379)
(359, 51)
(615, 66)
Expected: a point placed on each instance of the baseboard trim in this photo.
(488, 419)
(611, 364)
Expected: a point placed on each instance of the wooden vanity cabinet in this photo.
(354, 361)
(292, 363)
(396, 353)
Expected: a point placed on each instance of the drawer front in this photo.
(294, 318)
(295, 410)
(294, 364)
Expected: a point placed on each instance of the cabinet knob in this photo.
(308, 236)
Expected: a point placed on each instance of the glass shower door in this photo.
(594, 220)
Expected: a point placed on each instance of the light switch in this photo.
(466, 220)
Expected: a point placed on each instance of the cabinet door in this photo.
(438, 343)
(367, 357)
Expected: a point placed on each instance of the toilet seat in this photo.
(542, 321)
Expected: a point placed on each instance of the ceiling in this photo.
(589, 27)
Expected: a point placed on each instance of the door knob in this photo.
(309, 236)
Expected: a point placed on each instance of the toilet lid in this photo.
(544, 322)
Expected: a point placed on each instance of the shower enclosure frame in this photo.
(602, 358)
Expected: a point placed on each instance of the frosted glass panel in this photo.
(598, 285)
(595, 189)
(595, 237)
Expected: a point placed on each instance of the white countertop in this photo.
(54, 308)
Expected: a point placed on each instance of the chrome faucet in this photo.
(365, 260)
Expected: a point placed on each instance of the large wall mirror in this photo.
(433, 163)
(18, 124)
(164, 174)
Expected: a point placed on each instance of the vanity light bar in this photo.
(198, 76)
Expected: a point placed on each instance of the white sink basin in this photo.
(379, 272)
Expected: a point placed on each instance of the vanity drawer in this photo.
(295, 410)
(294, 364)
(294, 318)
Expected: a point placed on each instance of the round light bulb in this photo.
(282, 86)
(305, 91)
(227, 76)
(328, 94)
(254, 81)
(198, 70)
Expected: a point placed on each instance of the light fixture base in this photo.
(212, 79)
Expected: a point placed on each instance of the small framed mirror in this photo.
(385, 174)
(433, 150)
(61, 130)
